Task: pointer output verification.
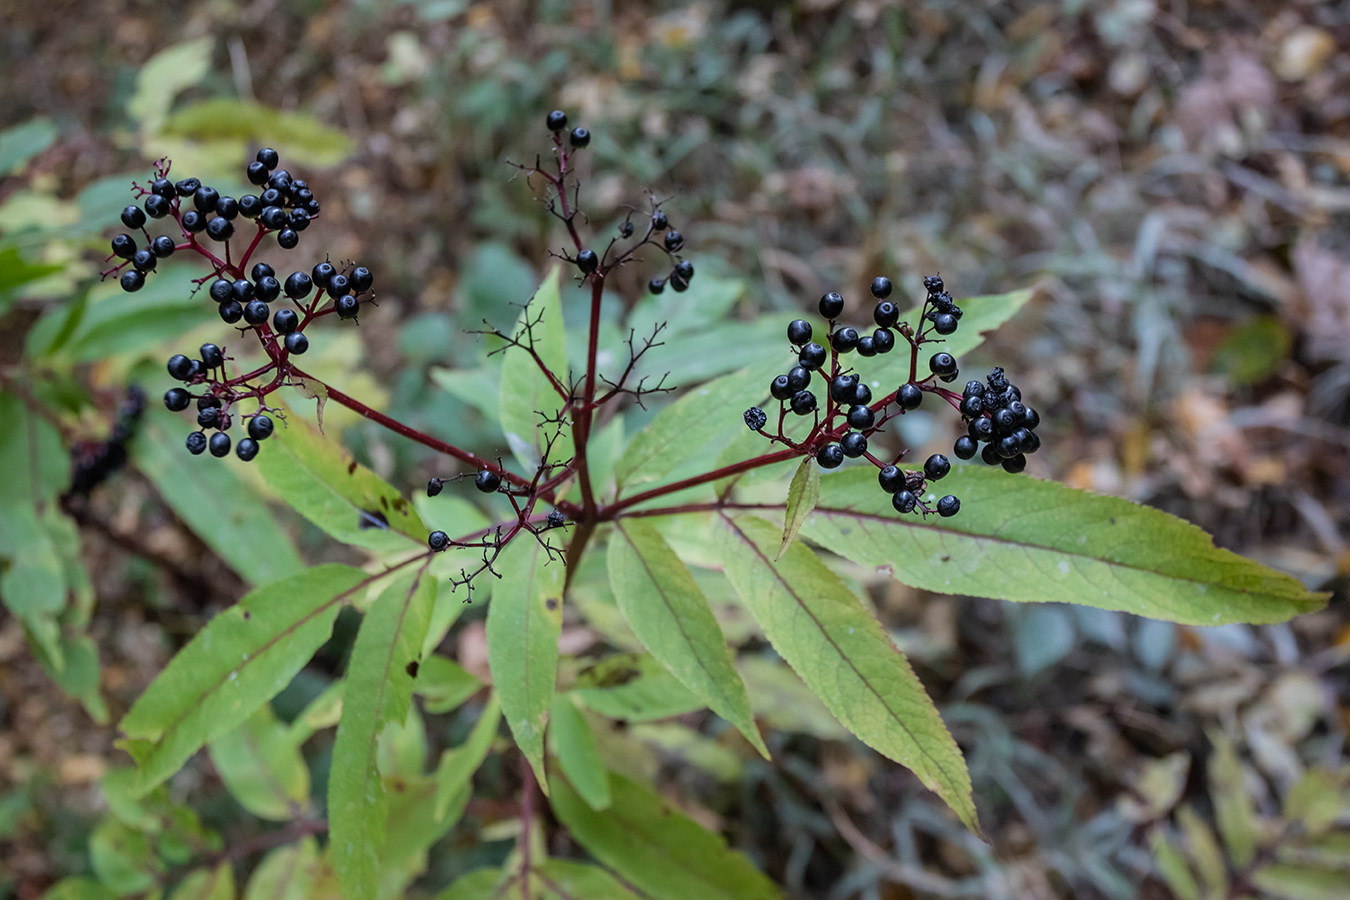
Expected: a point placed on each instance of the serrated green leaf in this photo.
(669, 614)
(123, 858)
(634, 687)
(650, 844)
(79, 889)
(163, 76)
(524, 622)
(562, 879)
(287, 873)
(239, 661)
(300, 138)
(841, 652)
(458, 765)
(326, 485)
(1234, 810)
(803, 494)
(1018, 538)
(577, 752)
(1300, 883)
(444, 683)
(21, 143)
(209, 496)
(261, 765)
(207, 884)
(378, 693)
(526, 392)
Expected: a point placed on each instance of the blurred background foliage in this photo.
(1174, 178)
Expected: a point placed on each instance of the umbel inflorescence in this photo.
(850, 416)
(226, 232)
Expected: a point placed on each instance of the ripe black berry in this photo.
(260, 271)
(204, 199)
(438, 540)
(280, 181)
(973, 389)
(904, 501)
(297, 343)
(250, 207)
(196, 443)
(981, 429)
(162, 186)
(337, 286)
(180, 367)
(220, 229)
(1004, 422)
(260, 427)
(208, 416)
(257, 173)
(832, 305)
(1031, 443)
(909, 396)
(883, 340)
(209, 401)
(188, 186)
(267, 288)
(965, 447)
(831, 456)
(273, 217)
(854, 444)
(990, 455)
(557, 120)
(755, 418)
(799, 332)
(144, 261)
(1009, 446)
(948, 506)
(347, 306)
(881, 287)
(298, 220)
(1015, 465)
(972, 405)
(256, 312)
(124, 245)
(212, 358)
(942, 363)
(781, 388)
(842, 389)
(192, 221)
(288, 238)
(157, 207)
(886, 314)
(362, 279)
(861, 417)
(133, 217)
(285, 321)
(656, 285)
(659, 220)
(812, 356)
(219, 444)
(803, 402)
(625, 229)
(936, 467)
(678, 284)
(587, 261)
(227, 207)
(247, 449)
(162, 246)
(231, 311)
(579, 137)
(673, 240)
(297, 285)
(944, 323)
(865, 346)
(1031, 418)
(177, 399)
(799, 378)
(845, 340)
(685, 269)
(487, 481)
(434, 487)
(861, 394)
(891, 479)
(269, 157)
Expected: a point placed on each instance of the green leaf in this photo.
(1173, 868)
(413, 829)
(1204, 851)
(215, 502)
(21, 143)
(239, 661)
(261, 765)
(524, 622)
(634, 687)
(1252, 351)
(482, 884)
(803, 494)
(378, 693)
(78, 889)
(526, 392)
(669, 614)
(458, 765)
(15, 271)
(1018, 538)
(287, 873)
(123, 858)
(577, 752)
(300, 138)
(32, 455)
(1300, 883)
(113, 322)
(32, 579)
(692, 747)
(683, 428)
(1234, 811)
(563, 879)
(163, 76)
(1318, 799)
(664, 854)
(444, 683)
(207, 884)
(841, 652)
(326, 485)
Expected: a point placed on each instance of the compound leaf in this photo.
(526, 392)
(1018, 538)
(239, 661)
(669, 614)
(830, 639)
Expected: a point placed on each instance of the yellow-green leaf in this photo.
(287, 873)
(802, 496)
(262, 768)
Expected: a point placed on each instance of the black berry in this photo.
(220, 229)
(626, 229)
(933, 284)
(861, 394)
(883, 340)
(972, 405)
(227, 207)
(133, 217)
(842, 389)
(231, 311)
(781, 388)
(678, 284)
(1015, 465)
(260, 427)
(212, 358)
(285, 321)
(944, 323)
(487, 481)
(685, 269)
(362, 279)
(854, 444)
(192, 221)
(799, 332)
(267, 288)
(438, 540)
(337, 286)
(587, 261)
(144, 261)
(942, 363)
(250, 207)
(909, 396)
(187, 187)
(659, 220)
(799, 378)
(965, 447)
(881, 287)
(157, 207)
(204, 199)
(124, 245)
(287, 238)
(434, 487)
(177, 399)
(948, 506)
(557, 120)
(247, 449)
(297, 343)
(220, 444)
(803, 402)
(812, 356)
(832, 305)
(865, 346)
(579, 137)
(755, 418)
(196, 443)
(831, 456)
(673, 240)
(162, 246)
(981, 429)
(273, 217)
(269, 157)
(256, 312)
(656, 285)
(886, 314)
(891, 479)
(162, 186)
(347, 306)
(845, 340)
(297, 285)
(180, 367)
(904, 501)
(861, 417)
(936, 467)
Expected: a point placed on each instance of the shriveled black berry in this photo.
(133, 217)
(883, 340)
(1015, 465)
(250, 207)
(285, 321)
(861, 417)
(685, 269)
(434, 487)
(936, 467)
(579, 137)
(204, 199)
(972, 405)
(831, 456)
(212, 358)
(881, 287)
(231, 311)
(187, 187)
(196, 443)
(832, 305)
(948, 506)
(297, 343)
(781, 388)
(297, 285)
(260, 427)
(192, 221)
(755, 418)
(288, 238)
(267, 288)
(845, 340)
(362, 279)
(220, 229)
(337, 286)
(438, 540)
(803, 402)
(347, 306)
(555, 518)
(144, 261)
(163, 246)
(256, 312)
(269, 157)
(812, 356)
(487, 481)
(933, 284)
(177, 399)
(557, 120)
(673, 240)
(219, 444)
(228, 207)
(587, 261)
(799, 378)
(891, 479)
(842, 389)
(854, 444)
(909, 396)
(866, 348)
(965, 447)
(973, 389)
(124, 245)
(656, 285)
(981, 428)
(942, 363)
(180, 367)
(904, 501)
(247, 449)
(944, 323)
(799, 331)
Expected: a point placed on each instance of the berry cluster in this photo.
(994, 412)
(93, 462)
(240, 291)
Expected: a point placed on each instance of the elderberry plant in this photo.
(677, 497)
